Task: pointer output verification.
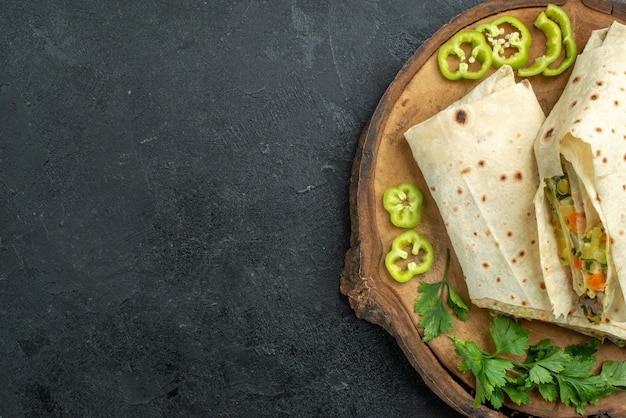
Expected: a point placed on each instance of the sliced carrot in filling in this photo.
(596, 282)
(576, 263)
(576, 221)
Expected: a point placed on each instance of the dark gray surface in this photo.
(174, 207)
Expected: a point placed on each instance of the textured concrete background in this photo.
(174, 206)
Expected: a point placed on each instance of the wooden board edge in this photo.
(365, 302)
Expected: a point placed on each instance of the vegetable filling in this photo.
(581, 240)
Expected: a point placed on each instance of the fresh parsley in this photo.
(557, 374)
(435, 318)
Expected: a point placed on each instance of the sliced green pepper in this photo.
(480, 51)
(404, 203)
(552, 33)
(559, 15)
(417, 243)
(519, 39)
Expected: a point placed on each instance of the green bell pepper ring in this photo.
(418, 244)
(559, 15)
(552, 33)
(519, 39)
(480, 52)
(404, 203)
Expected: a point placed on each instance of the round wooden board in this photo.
(384, 159)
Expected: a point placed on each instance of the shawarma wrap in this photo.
(581, 202)
(478, 159)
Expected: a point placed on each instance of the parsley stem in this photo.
(445, 271)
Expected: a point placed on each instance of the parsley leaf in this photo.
(614, 373)
(491, 373)
(548, 391)
(517, 396)
(435, 318)
(508, 336)
(585, 350)
(471, 354)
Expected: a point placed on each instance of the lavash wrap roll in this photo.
(477, 159)
(587, 127)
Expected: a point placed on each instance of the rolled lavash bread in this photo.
(477, 159)
(587, 127)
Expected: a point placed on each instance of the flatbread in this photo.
(477, 158)
(587, 127)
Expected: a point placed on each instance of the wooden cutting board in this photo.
(383, 159)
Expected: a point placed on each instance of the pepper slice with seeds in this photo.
(517, 39)
(404, 203)
(420, 247)
(473, 67)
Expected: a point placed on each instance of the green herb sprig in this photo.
(557, 374)
(435, 318)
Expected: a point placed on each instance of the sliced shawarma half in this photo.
(582, 227)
